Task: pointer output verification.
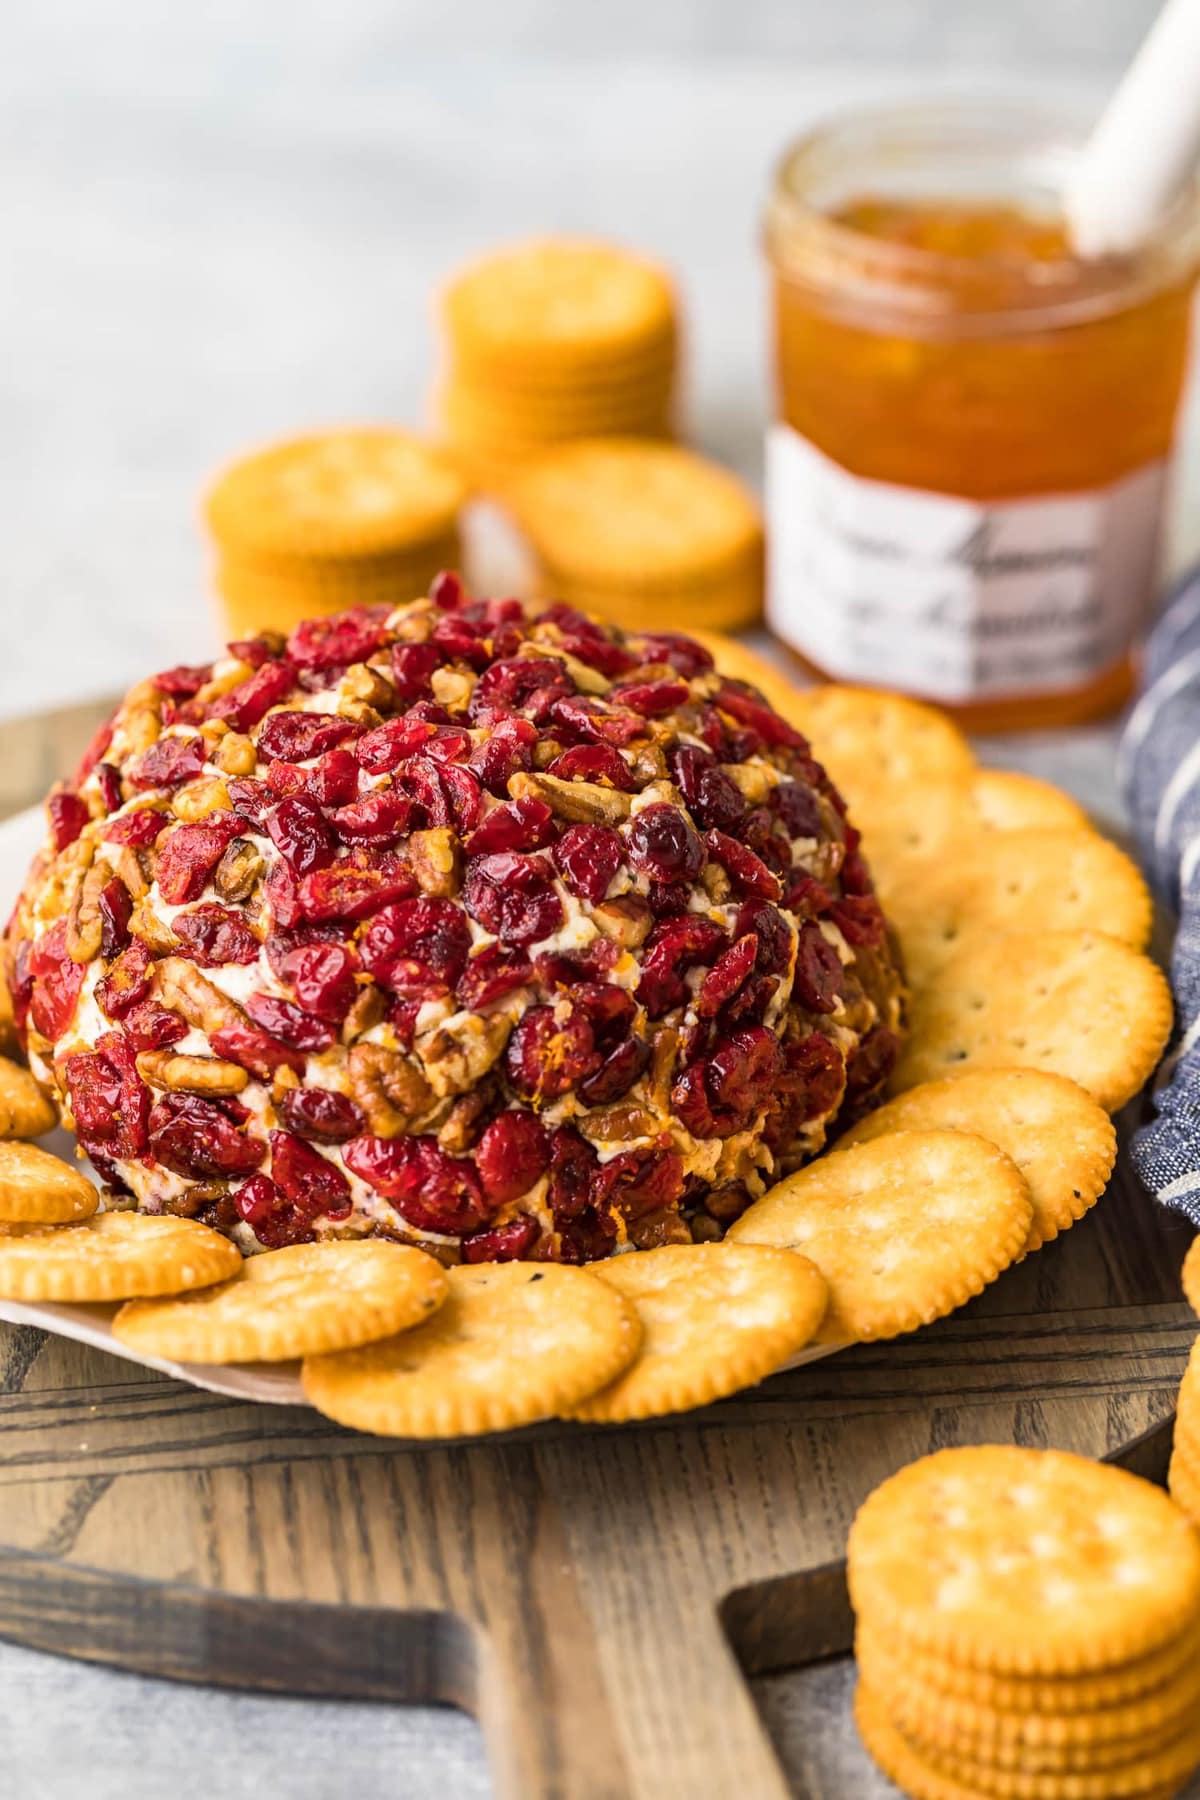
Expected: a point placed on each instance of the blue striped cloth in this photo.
(1160, 776)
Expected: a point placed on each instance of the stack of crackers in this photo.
(648, 535)
(554, 340)
(336, 519)
(1028, 1625)
(1184, 1477)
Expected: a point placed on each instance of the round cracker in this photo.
(1028, 1693)
(1004, 881)
(300, 1301)
(715, 1318)
(877, 745)
(114, 1256)
(39, 1189)
(1077, 1004)
(8, 1028)
(1010, 800)
(927, 1778)
(1183, 1483)
(1023, 1561)
(514, 1342)
(1063, 1142)
(1190, 1275)
(903, 1229)
(25, 1111)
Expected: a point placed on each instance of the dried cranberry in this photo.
(666, 901)
(598, 763)
(512, 895)
(509, 747)
(462, 640)
(809, 1087)
(392, 743)
(282, 896)
(320, 1114)
(195, 1137)
(169, 763)
(675, 946)
(430, 1190)
(587, 857)
(617, 1073)
(190, 854)
(68, 815)
(723, 1094)
(56, 982)
(856, 877)
(524, 824)
(309, 1180)
(255, 651)
(184, 680)
(808, 898)
(634, 1182)
(446, 591)
(289, 1023)
(127, 981)
(650, 698)
(714, 800)
(573, 1163)
(727, 975)
(683, 654)
(252, 800)
(378, 818)
(295, 736)
(339, 639)
(799, 809)
(446, 746)
(109, 1100)
(589, 645)
(547, 1055)
(859, 918)
(108, 781)
(322, 978)
(491, 975)
(272, 1218)
(353, 888)
(212, 935)
(530, 682)
(115, 906)
(817, 979)
(152, 1027)
(512, 1154)
(502, 1243)
(871, 1064)
(773, 932)
(748, 707)
(761, 832)
(412, 668)
(591, 721)
(422, 941)
(331, 781)
(663, 845)
(253, 698)
(252, 1048)
(748, 873)
(300, 833)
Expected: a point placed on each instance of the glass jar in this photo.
(966, 479)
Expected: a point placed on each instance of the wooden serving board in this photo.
(596, 1596)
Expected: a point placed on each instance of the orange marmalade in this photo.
(966, 480)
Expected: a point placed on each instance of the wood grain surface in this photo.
(595, 1597)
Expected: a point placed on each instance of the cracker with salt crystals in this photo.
(1063, 1142)
(39, 1189)
(1011, 880)
(1023, 1562)
(903, 1229)
(715, 1318)
(25, 1111)
(513, 1343)
(927, 1777)
(1076, 1003)
(305, 1299)
(932, 823)
(114, 1256)
(884, 1663)
(876, 745)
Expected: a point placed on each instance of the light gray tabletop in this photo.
(224, 222)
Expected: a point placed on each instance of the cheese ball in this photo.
(504, 934)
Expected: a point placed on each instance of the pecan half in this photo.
(198, 798)
(145, 923)
(190, 1074)
(389, 1088)
(755, 783)
(628, 920)
(85, 924)
(239, 869)
(235, 754)
(584, 801)
(436, 861)
(185, 990)
(366, 1012)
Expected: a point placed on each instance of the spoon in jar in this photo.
(1146, 143)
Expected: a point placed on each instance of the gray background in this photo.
(219, 222)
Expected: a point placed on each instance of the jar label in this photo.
(950, 598)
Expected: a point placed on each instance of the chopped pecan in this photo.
(665, 1226)
(239, 869)
(367, 684)
(145, 923)
(463, 1124)
(185, 990)
(623, 1124)
(455, 1057)
(716, 882)
(663, 1051)
(224, 684)
(727, 1203)
(198, 798)
(755, 783)
(436, 861)
(85, 923)
(649, 763)
(452, 687)
(628, 920)
(64, 879)
(361, 712)
(190, 1074)
(389, 1088)
(235, 754)
(366, 1012)
(130, 867)
(584, 801)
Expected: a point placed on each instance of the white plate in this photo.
(20, 838)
